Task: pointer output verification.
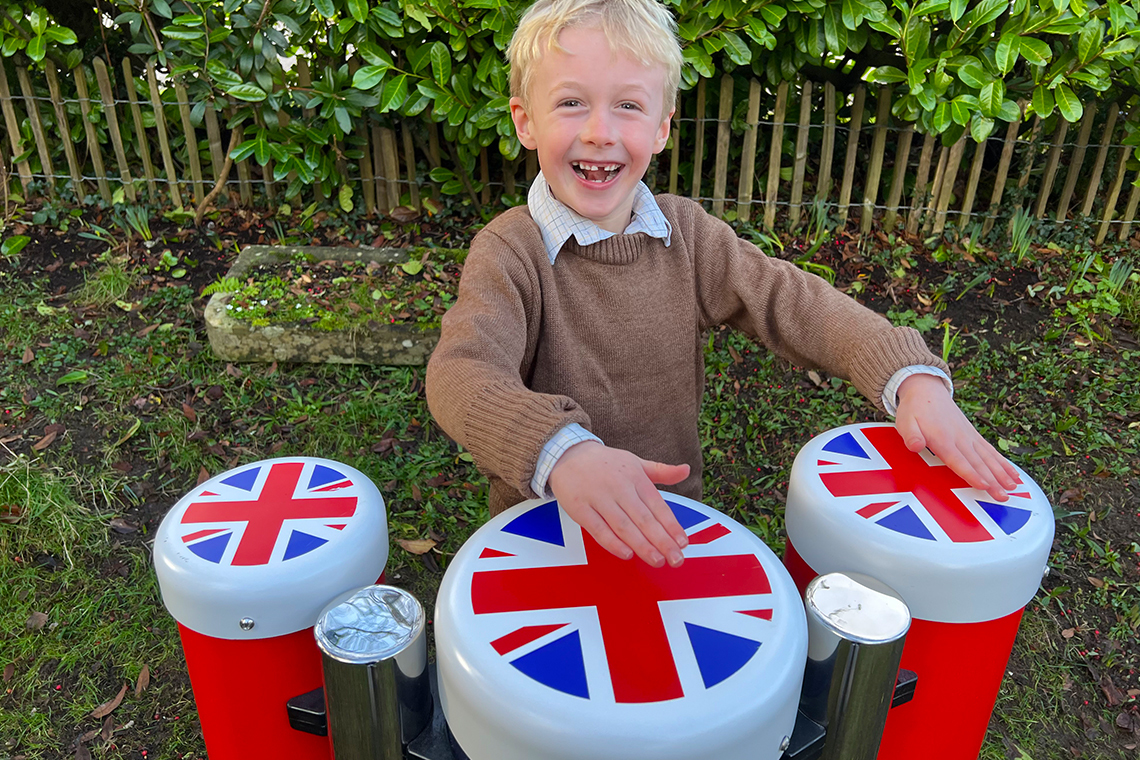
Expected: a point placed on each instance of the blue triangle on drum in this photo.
(323, 476)
(302, 543)
(244, 480)
(905, 521)
(719, 654)
(558, 665)
(687, 516)
(1010, 519)
(541, 523)
(845, 444)
(211, 549)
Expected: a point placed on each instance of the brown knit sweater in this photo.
(611, 337)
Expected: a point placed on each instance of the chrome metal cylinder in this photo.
(374, 654)
(856, 630)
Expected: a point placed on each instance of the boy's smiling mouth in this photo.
(597, 173)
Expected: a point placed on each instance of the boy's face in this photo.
(589, 107)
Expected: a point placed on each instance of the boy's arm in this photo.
(474, 387)
(807, 321)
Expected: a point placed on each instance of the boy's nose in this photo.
(599, 129)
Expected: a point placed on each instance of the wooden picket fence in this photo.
(943, 185)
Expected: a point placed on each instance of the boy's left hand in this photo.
(927, 417)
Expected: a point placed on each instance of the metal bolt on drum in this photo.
(374, 655)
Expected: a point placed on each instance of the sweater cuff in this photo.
(878, 360)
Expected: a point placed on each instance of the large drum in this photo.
(966, 566)
(550, 647)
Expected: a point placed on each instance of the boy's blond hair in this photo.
(644, 30)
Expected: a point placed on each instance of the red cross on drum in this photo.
(246, 563)
(965, 564)
(550, 647)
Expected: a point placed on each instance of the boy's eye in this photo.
(571, 103)
(630, 106)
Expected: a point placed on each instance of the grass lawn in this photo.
(112, 406)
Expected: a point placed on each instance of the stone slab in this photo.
(237, 341)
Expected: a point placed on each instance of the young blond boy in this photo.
(572, 359)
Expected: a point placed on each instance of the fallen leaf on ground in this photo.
(108, 707)
(36, 621)
(108, 729)
(10, 513)
(417, 494)
(1070, 494)
(1111, 693)
(1134, 692)
(233, 371)
(815, 378)
(28, 357)
(188, 412)
(121, 526)
(1096, 582)
(82, 753)
(736, 357)
(143, 681)
(1069, 633)
(87, 736)
(9, 671)
(417, 546)
(44, 442)
(203, 475)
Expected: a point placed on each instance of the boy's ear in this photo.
(663, 132)
(522, 123)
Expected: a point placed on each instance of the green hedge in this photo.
(958, 65)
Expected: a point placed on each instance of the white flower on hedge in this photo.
(264, 302)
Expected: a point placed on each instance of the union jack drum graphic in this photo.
(536, 621)
(272, 542)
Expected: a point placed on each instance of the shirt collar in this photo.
(557, 222)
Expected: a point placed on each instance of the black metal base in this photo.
(436, 742)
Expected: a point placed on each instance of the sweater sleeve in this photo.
(475, 386)
(797, 315)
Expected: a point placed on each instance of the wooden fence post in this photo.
(827, 148)
(916, 205)
(1101, 156)
(948, 179)
(699, 141)
(304, 79)
(854, 126)
(108, 95)
(24, 170)
(898, 177)
(935, 191)
(1130, 213)
(413, 180)
(798, 172)
(878, 147)
(1113, 195)
(775, 156)
(199, 190)
(972, 183)
(391, 166)
(379, 173)
(748, 156)
(142, 144)
(214, 134)
(1051, 167)
(1003, 169)
(34, 117)
(163, 140)
(92, 135)
(64, 127)
(1073, 172)
(723, 134)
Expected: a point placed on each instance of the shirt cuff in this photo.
(891, 391)
(553, 450)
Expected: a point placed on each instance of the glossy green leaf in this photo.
(1070, 107)
(327, 8)
(887, 75)
(1035, 51)
(959, 112)
(358, 9)
(14, 245)
(368, 77)
(990, 98)
(60, 34)
(394, 94)
(440, 64)
(773, 14)
(37, 48)
(1009, 111)
(1090, 40)
(1008, 49)
(736, 49)
(1042, 101)
(942, 117)
(973, 73)
(957, 8)
(344, 198)
(247, 92)
(78, 376)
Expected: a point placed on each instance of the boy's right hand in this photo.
(611, 493)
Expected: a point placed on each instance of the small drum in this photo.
(966, 566)
(550, 647)
(246, 562)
